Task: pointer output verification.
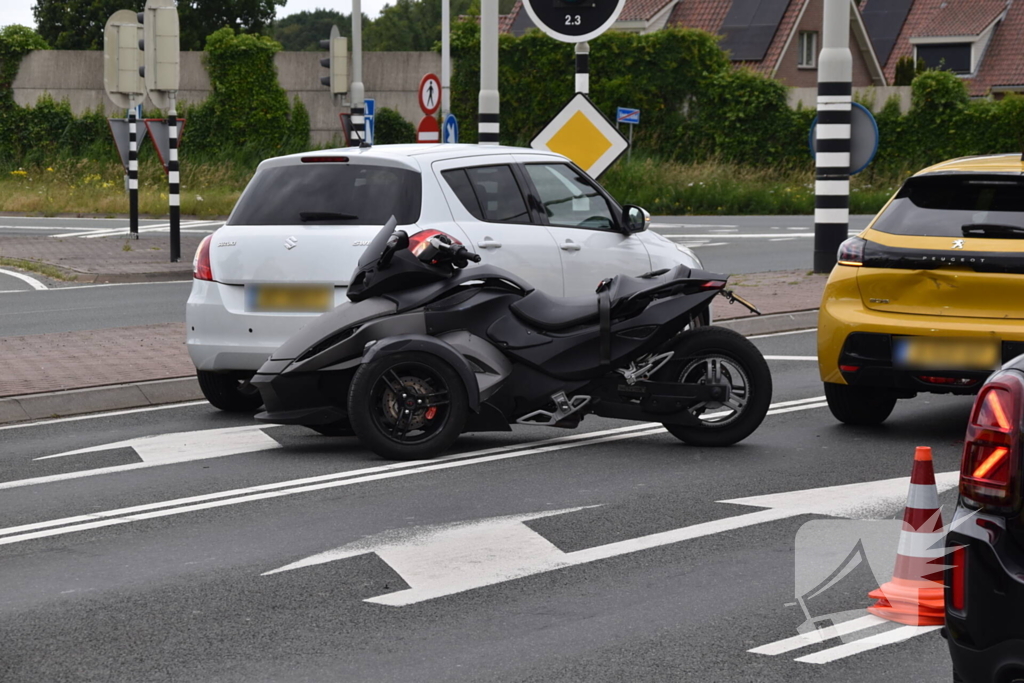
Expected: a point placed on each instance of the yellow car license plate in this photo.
(289, 298)
(941, 353)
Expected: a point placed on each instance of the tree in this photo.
(200, 18)
(409, 25)
(77, 24)
(303, 31)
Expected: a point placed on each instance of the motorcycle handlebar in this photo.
(458, 251)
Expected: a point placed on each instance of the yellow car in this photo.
(930, 297)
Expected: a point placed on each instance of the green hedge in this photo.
(248, 113)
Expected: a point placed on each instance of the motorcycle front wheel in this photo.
(717, 355)
(407, 406)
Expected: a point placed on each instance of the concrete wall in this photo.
(392, 78)
(877, 95)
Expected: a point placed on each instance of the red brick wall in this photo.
(788, 72)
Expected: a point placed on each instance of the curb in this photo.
(181, 389)
(98, 399)
(772, 323)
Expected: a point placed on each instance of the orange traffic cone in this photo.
(915, 594)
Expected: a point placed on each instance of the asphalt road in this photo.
(92, 307)
(604, 558)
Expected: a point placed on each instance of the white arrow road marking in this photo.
(163, 449)
(437, 561)
(96, 520)
(34, 283)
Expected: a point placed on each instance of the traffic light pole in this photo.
(133, 173)
(489, 103)
(173, 180)
(358, 109)
(832, 148)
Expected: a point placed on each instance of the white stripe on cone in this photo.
(923, 545)
(923, 497)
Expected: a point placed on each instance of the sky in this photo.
(20, 11)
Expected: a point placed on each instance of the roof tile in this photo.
(641, 10)
(1003, 63)
(961, 18)
(706, 15)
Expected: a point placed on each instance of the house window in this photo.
(955, 57)
(808, 58)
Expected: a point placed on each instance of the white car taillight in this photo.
(201, 269)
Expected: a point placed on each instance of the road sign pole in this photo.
(832, 148)
(629, 154)
(583, 67)
(173, 181)
(358, 108)
(133, 175)
(446, 58)
(489, 104)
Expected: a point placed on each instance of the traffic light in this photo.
(337, 62)
(160, 35)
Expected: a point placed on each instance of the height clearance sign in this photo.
(581, 132)
(574, 21)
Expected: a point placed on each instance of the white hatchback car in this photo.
(288, 249)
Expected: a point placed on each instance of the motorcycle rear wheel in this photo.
(407, 406)
(718, 354)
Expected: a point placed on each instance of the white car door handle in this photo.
(489, 244)
(570, 246)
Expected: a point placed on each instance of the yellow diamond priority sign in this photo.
(581, 132)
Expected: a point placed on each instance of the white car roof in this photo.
(404, 155)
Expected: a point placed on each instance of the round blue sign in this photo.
(863, 138)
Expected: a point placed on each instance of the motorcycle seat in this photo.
(625, 295)
(555, 313)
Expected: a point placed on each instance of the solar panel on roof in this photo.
(883, 20)
(750, 26)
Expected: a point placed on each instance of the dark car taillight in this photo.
(851, 252)
(956, 580)
(990, 470)
(201, 269)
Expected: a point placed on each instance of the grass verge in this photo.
(714, 188)
(210, 189)
(41, 268)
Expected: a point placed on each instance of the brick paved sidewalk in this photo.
(75, 360)
(775, 292)
(106, 259)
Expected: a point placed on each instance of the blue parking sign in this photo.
(626, 115)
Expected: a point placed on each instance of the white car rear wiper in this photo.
(992, 230)
(308, 216)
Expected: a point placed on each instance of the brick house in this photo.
(779, 38)
(980, 40)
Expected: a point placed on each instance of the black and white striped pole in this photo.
(489, 104)
(583, 67)
(173, 182)
(133, 172)
(832, 146)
